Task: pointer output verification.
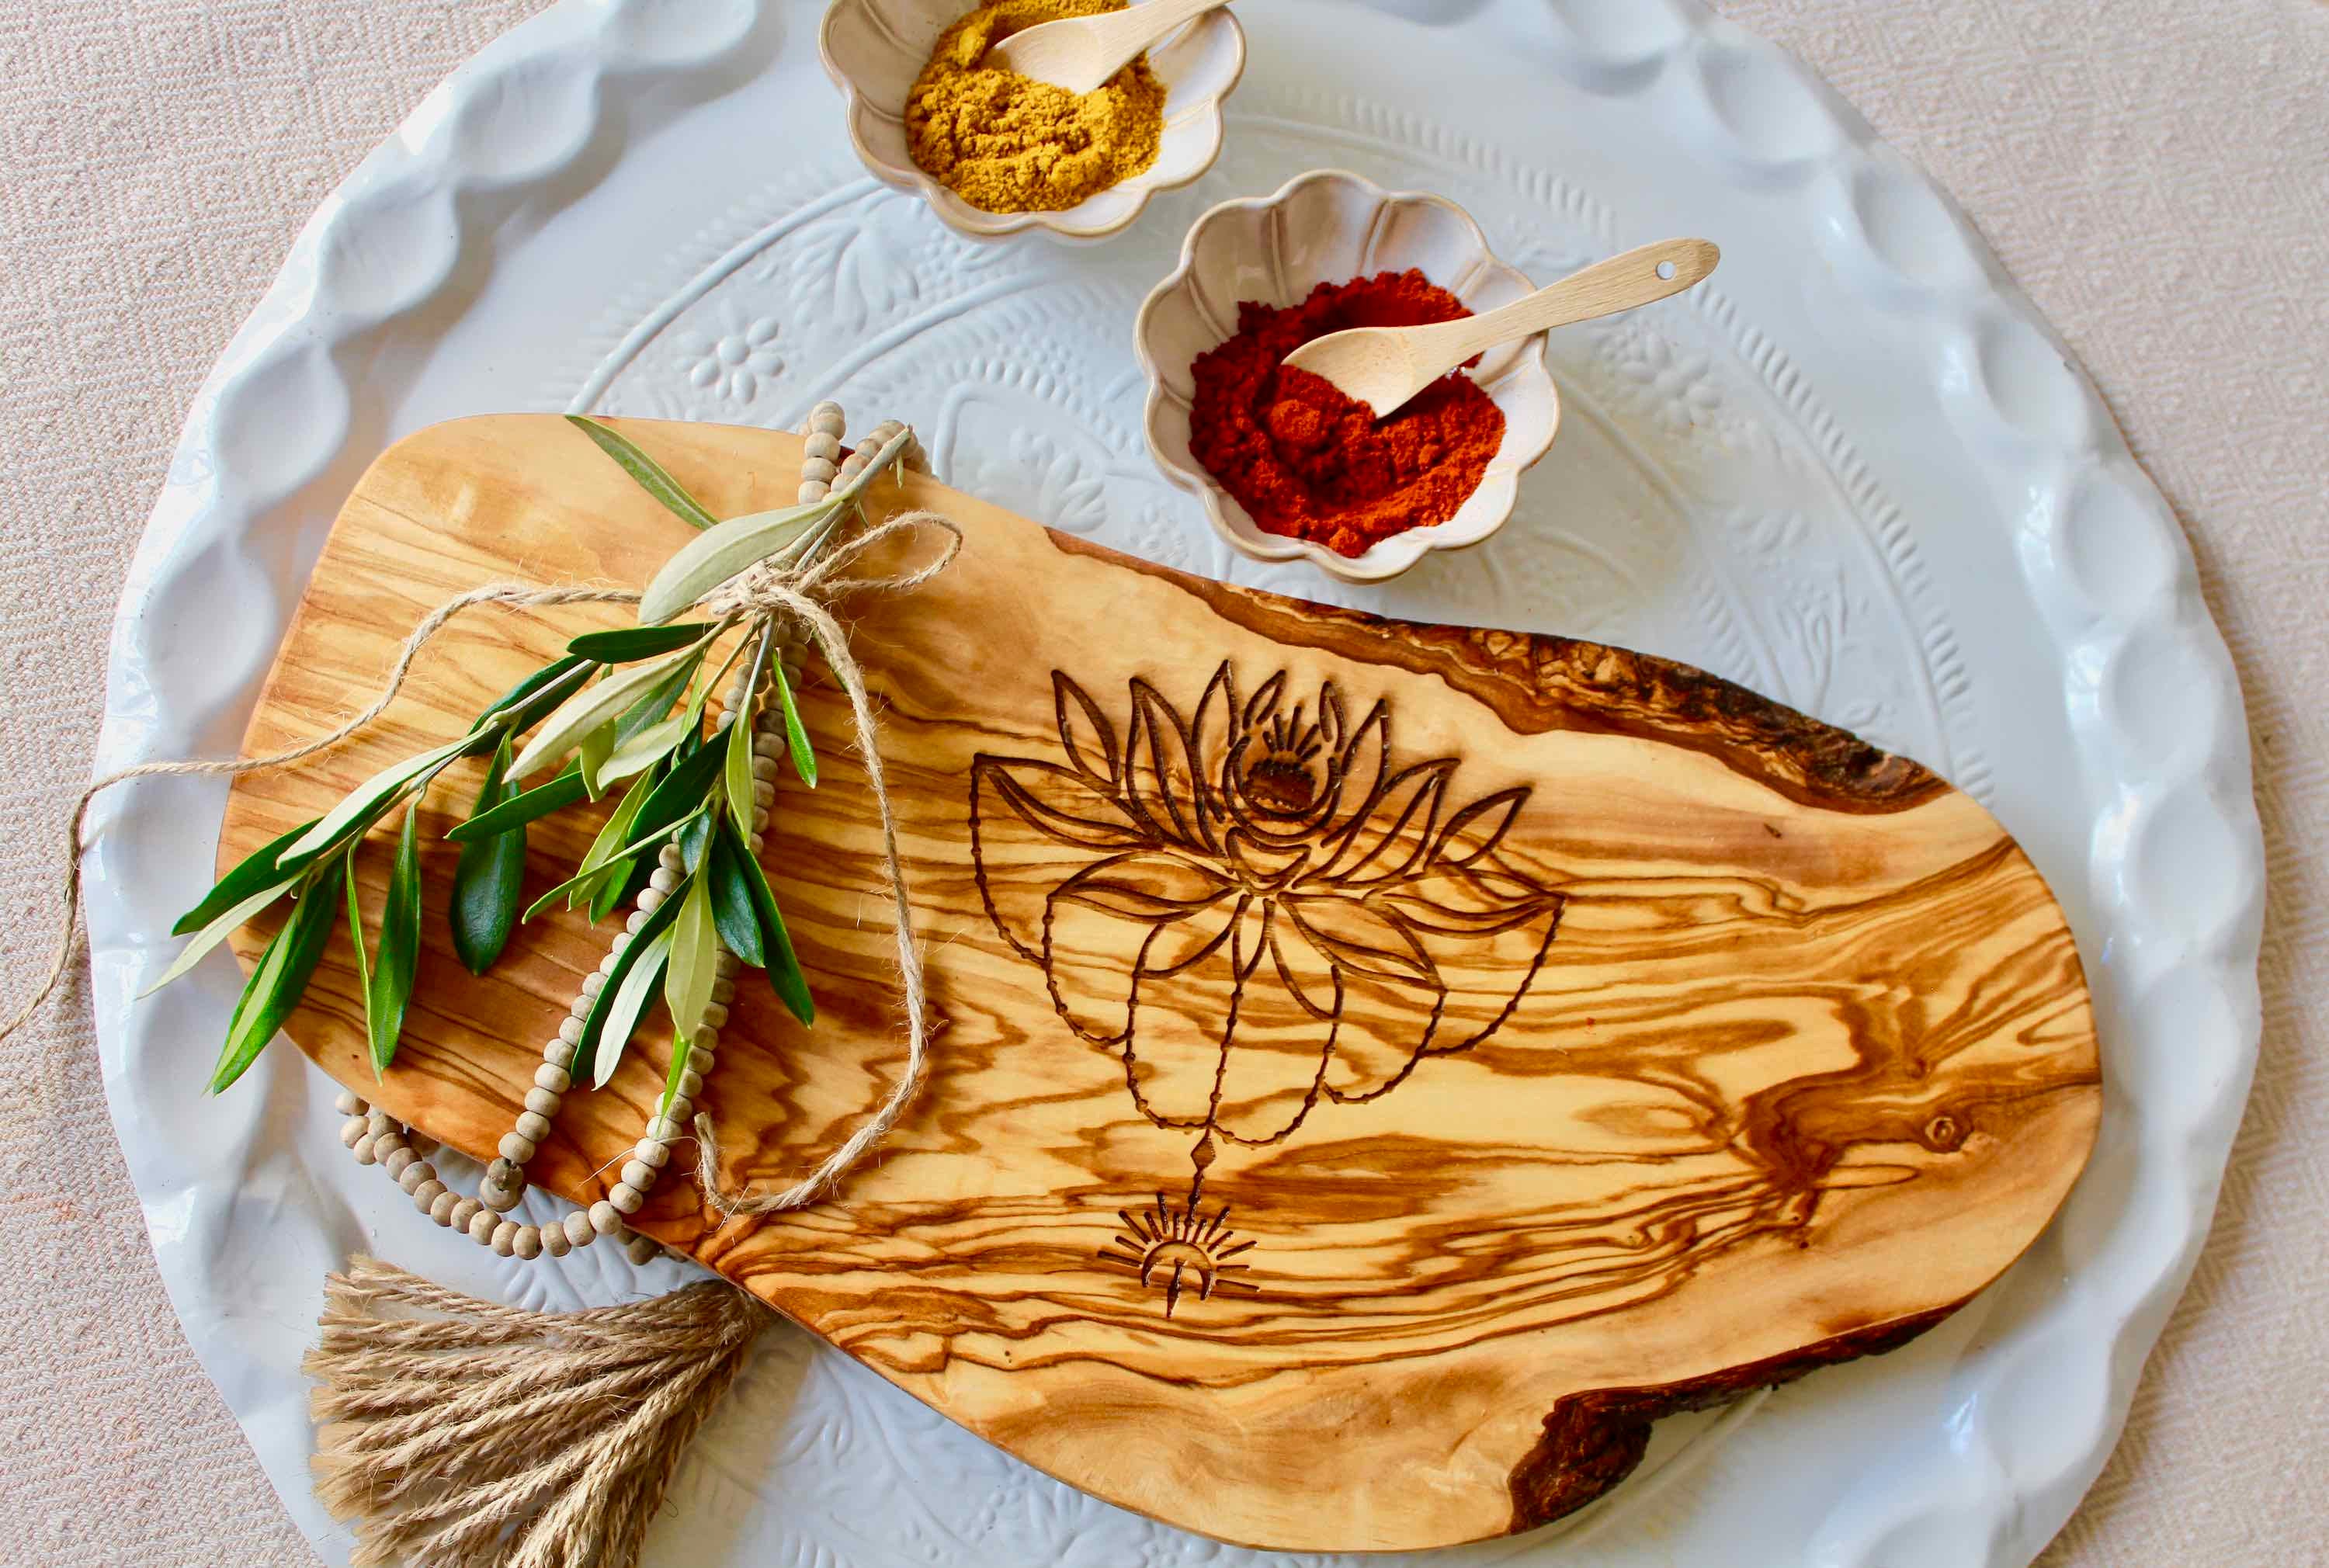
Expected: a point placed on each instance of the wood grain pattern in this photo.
(1384, 1066)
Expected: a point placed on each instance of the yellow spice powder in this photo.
(1006, 143)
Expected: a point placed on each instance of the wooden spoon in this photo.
(1082, 53)
(1384, 366)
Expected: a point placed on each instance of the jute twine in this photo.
(461, 1433)
(801, 593)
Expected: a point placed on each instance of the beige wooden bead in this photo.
(650, 1154)
(625, 1198)
(420, 1143)
(483, 1223)
(527, 1243)
(699, 1058)
(541, 1102)
(725, 966)
(555, 1241)
(580, 1008)
(381, 1121)
(771, 745)
(809, 493)
(723, 990)
(605, 1218)
(650, 900)
(763, 793)
(765, 769)
(822, 445)
(557, 1052)
(533, 1127)
(504, 1238)
(669, 858)
(664, 881)
(593, 983)
(571, 1031)
(516, 1146)
(465, 1211)
(691, 1082)
(441, 1206)
(413, 1175)
(364, 1150)
(824, 419)
(756, 841)
(622, 940)
(820, 470)
(354, 1131)
(552, 1077)
(716, 1016)
(348, 1105)
(640, 1175)
(606, 965)
(425, 1197)
(579, 1229)
(394, 1160)
(642, 1250)
(494, 1195)
(663, 1128)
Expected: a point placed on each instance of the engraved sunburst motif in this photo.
(1171, 1249)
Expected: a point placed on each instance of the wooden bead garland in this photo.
(373, 1136)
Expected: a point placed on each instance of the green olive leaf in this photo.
(736, 769)
(714, 555)
(593, 706)
(218, 930)
(694, 961)
(594, 1023)
(732, 908)
(682, 1051)
(629, 644)
(555, 673)
(681, 792)
(796, 732)
(783, 968)
(564, 790)
(631, 1001)
(646, 470)
(596, 748)
(390, 986)
(368, 799)
(489, 878)
(256, 870)
(281, 978)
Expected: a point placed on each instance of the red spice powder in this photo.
(1308, 462)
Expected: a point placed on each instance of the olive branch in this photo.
(621, 709)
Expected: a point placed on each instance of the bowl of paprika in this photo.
(993, 153)
(1286, 466)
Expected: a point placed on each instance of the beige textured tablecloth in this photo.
(2154, 174)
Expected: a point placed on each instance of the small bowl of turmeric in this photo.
(1286, 466)
(995, 153)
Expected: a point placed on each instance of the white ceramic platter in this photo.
(1852, 470)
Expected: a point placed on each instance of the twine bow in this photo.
(802, 594)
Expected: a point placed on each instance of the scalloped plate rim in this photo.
(200, 509)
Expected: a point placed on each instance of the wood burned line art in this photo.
(1259, 910)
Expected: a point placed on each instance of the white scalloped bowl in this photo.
(1330, 227)
(875, 49)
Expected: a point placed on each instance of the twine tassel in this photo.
(558, 1460)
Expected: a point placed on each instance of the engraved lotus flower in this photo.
(1256, 906)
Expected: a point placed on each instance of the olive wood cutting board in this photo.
(1382, 1066)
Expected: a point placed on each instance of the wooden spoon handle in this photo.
(1122, 34)
(1604, 289)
